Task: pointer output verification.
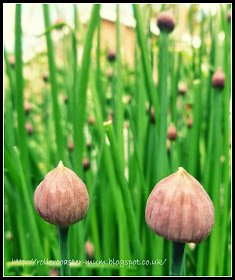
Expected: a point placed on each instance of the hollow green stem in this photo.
(215, 236)
(80, 99)
(119, 85)
(163, 120)
(75, 71)
(194, 160)
(64, 251)
(20, 95)
(131, 216)
(98, 73)
(226, 152)
(52, 70)
(142, 41)
(175, 89)
(177, 258)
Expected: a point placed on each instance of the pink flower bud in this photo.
(218, 80)
(179, 209)
(61, 198)
(171, 132)
(166, 22)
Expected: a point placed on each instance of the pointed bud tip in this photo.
(181, 171)
(61, 166)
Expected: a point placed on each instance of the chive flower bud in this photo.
(110, 116)
(168, 145)
(111, 56)
(152, 115)
(45, 77)
(65, 98)
(179, 209)
(188, 107)
(190, 122)
(11, 60)
(27, 106)
(61, 198)
(54, 272)
(86, 164)
(88, 145)
(166, 22)
(91, 120)
(9, 236)
(70, 145)
(182, 89)
(89, 249)
(129, 98)
(60, 23)
(29, 128)
(171, 132)
(218, 80)
(229, 16)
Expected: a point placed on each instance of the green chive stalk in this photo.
(9, 105)
(137, 156)
(33, 238)
(92, 222)
(175, 89)
(9, 132)
(116, 193)
(209, 99)
(209, 109)
(140, 98)
(119, 84)
(15, 178)
(64, 251)
(11, 76)
(164, 107)
(202, 46)
(52, 70)
(75, 72)
(98, 73)
(226, 148)
(34, 232)
(177, 258)
(107, 234)
(173, 85)
(20, 96)
(215, 235)
(200, 259)
(166, 24)
(191, 24)
(194, 159)
(131, 217)
(80, 98)
(142, 41)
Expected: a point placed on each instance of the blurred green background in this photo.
(60, 86)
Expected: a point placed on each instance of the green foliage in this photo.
(127, 156)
